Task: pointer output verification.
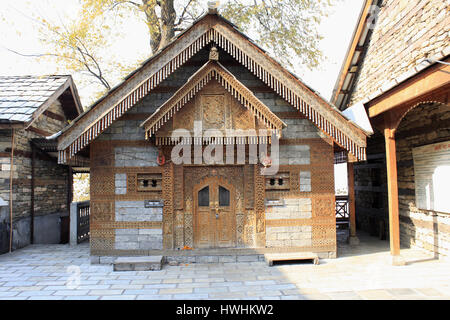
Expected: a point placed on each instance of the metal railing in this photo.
(342, 208)
(83, 216)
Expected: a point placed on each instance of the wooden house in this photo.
(35, 191)
(397, 69)
(209, 94)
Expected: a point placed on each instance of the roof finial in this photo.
(214, 54)
(213, 6)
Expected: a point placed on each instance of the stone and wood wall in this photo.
(430, 230)
(405, 33)
(50, 184)
(127, 219)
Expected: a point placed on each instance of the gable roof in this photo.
(355, 54)
(24, 98)
(210, 28)
(212, 70)
(365, 65)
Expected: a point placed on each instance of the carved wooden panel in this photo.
(215, 108)
(323, 206)
(102, 154)
(101, 182)
(324, 237)
(185, 117)
(178, 187)
(249, 186)
(213, 111)
(192, 176)
(101, 211)
(168, 211)
(214, 213)
(149, 182)
(101, 237)
(260, 207)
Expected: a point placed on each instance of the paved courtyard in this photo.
(64, 272)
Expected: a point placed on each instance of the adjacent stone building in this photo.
(397, 69)
(161, 176)
(34, 189)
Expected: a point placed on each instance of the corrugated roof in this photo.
(21, 96)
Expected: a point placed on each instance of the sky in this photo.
(19, 34)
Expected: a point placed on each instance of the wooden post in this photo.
(33, 170)
(394, 223)
(351, 203)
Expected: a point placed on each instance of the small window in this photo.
(149, 182)
(203, 197)
(224, 197)
(280, 182)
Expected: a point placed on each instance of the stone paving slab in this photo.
(61, 272)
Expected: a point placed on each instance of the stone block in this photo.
(227, 259)
(122, 245)
(207, 259)
(107, 260)
(121, 232)
(248, 258)
(94, 259)
(150, 231)
(150, 263)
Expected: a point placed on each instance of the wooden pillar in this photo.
(33, 169)
(351, 199)
(394, 223)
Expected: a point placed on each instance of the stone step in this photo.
(212, 258)
(291, 256)
(147, 263)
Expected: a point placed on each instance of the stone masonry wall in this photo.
(424, 125)
(289, 236)
(429, 230)
(137, 239)
(131, 153)
(406, 32)
(50, 191)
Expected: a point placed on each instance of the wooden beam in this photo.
(19, 126)
(33, 176)
(353, 47)
(39, 131)
(351, 198)
(423, 84)
(394, 222)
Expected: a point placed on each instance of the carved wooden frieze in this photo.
(211, 29)
(213, 71)
(213, 111)
(168, 210)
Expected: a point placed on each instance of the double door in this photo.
(215, 219)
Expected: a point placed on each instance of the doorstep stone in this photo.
(147, 263)
(291, 256)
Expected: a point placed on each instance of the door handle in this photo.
(216, 208)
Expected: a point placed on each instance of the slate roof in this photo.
(21, 96)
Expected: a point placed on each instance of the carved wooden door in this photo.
(215, 217)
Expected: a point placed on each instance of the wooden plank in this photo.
(430, 80)
(291, 256)
(391, 163)
(353, 47)
(351, 198)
